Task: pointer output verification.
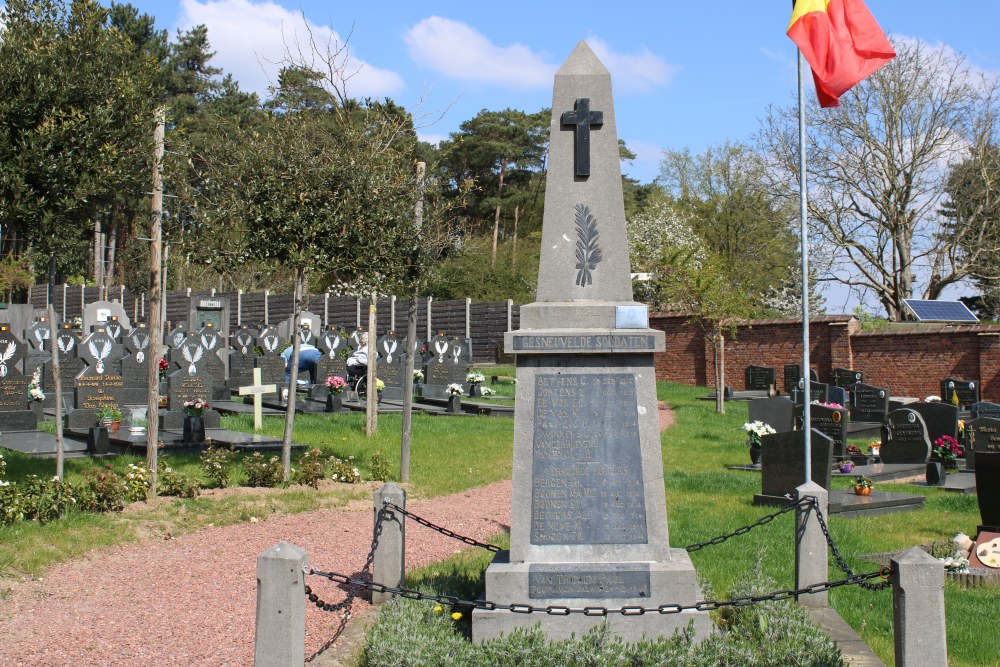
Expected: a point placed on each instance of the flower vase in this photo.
(194, 431)
(936, 474)
(754, 453)
(474, 390)
(334, 402)
(36, 407)
(846, 466)
(454, 404)
(862, 490)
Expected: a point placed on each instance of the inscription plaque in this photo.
(868, 403)
(588, 580)
(587, 464)
(578, 342)
(759, 378)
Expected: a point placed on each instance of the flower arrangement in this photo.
(35, 392)
(336, 384)
(163, 367)
(475, 377)
(486, 391)
(946, 448)
(961, 429)
(862, 482)
(756, 430)
(932, 399)
(418, 375)
(956, 564)
(835, 406)
(853, 450)
(196, 408)
(455, 389)
(379, 385)
(874, 447)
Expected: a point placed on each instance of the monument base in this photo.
(662, 583)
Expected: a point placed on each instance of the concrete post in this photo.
(281, 606)
(811, 550)
(388, 567)
(918, 610)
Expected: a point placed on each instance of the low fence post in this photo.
(280, 636)
(918, 609)
(811, 553)
(388, 567)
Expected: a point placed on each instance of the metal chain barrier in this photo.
(746, 529)
(839, 558)
(441, 529)
(561, 610)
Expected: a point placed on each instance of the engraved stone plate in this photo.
(632, 317)
(588, 580)
(587, 484)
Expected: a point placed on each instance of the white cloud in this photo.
(646, 165)
(459, 51)
(634, 73)
(251, 38)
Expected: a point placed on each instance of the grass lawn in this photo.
(450, 454)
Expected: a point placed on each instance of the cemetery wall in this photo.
(911, 361)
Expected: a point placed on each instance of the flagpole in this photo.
(806, 376)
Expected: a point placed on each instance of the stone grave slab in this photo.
(70, 366)
(135, 366)
(868, 403)
(759, 378)
(783, 466)
(777, 412)
(40, 444)
(983, 409)
(818, 393)
(14, 412)
(939, 418)
(984, 438)
(792, 373)
(845, 377)
(847, 503)
(831, 422)
(965, 392)
(390, 366)
(904, 438)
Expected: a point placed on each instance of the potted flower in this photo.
(379, 387)
(475, 378)
(35, 393)
(857, 457)
(194, 422)
(335, 386)
(874, 448)
(755, 431)
(110, 417)
(454, 392)
(863, 485)
(943, 454)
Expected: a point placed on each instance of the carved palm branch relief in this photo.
(588, 252)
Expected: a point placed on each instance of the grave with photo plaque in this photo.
(38, 354)
(100, 385)
(271, 363)
(241, 358)
(446, 366)
(589, 521)
(939, 418)
(818, 393)
(70, 365)
(966, 391)
(904, 438)
(390, 366)
(14, 412)
(135, 367)
(759, 378)
(831, 422)
(868, 403)
(332, 343)
(792, 374)
(846, 378)
(213, 342)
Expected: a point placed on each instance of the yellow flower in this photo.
(437, 608)
(457, 615)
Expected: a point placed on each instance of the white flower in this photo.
(932, 399)
(4, 483)
(455, 389)
(758, 428)
(487, 391)
(475, 376)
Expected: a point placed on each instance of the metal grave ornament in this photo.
(6, 354)
(192, 354)
(140, 341)
(100, 350)
(581, 119)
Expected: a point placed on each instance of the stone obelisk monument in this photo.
(589, 519)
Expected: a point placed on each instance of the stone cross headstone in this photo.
(354, 338)
(777, 412)
(113, 327)
(213, 342)
(135, 366)
(242, 357)
(589, 526)
(100, 384)
(271, 363)
(333, 344)
(70, 365)
(904, 438)
(939, 418)
(759, 378)
(783, 466)
(310, 325)
(868, 403)
(38, 354)
(390, 366)
(440, 368)
(257, 389)
(959, 392)
(845, 377)
(818, 392)
(14, 412)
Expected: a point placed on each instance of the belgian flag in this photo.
(841, 42)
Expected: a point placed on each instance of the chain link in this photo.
(441, 529)
(561, 610)
(746, 529)
(841, 562)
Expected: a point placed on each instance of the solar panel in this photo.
(940, 311)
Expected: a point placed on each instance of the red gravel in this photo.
(191, 600)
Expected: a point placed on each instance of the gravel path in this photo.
(191, 600)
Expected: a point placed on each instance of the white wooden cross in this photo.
(257, 389)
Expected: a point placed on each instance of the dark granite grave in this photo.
(984, 409)
(40, 444)
(185, 386)
(70, 366)
(967, 391)
(783, 464)
(939, 418)
(14, 412)
(271, 364)
(760, 378)
(831, 422)
(904, 438)
(211, 340)
(135, 367)
(984, 439)
(868, 403)
(391, 367)
(100, 385)
(447, 366)
(792, 374)
(845, 377)
(777, 412)
(241, 358)
(847, 504)
(837, 395)
(818, 393)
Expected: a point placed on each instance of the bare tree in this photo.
(878, 169)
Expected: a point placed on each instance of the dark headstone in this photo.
(212, 341)
(70, 366)
(446, 366)
(984, 409)
(241, 358)
(837, 395)
(185, 386)
(904, 438)
(783, 466)
(831, 422)
(354, 338)
(792, 375)
(333, 344)
(818, 393)
(14, 412)
(778, 413)
(759, 378)
(100, 384)
(966, 390)
(135, 366)
(390, 366)
(940, 419)
(868, 403)
(37, 334)
(271, 364)
(845, 377)
(984, 438)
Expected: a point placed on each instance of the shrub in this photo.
(3, 467)
(137, 481)
(311, 467)
(379, 466)
(217, 464)
(262, 471)
(172, 483)
(344, 471)
(35, 499)
(101, 490)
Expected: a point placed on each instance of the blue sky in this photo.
(685, 74)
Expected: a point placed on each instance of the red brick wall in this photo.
(908, 362)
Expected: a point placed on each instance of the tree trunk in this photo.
(371, 402)
(109, 273)
(513, 247)
(57, 383)
(293, 376)
(156, 297)
(719, 352)
(411, 338)
(496, 217)
(98, 252)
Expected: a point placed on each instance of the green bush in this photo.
(3, 467)
(34, 499)
(262, 471)
(344, 471)
(172, 483)
(137, 481)
(311, 467)
(101, 490)
(379, 466)
(217, 464)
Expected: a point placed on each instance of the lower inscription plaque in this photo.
(587, 485)
(588, 580)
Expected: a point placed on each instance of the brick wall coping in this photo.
(789, 321)
(925, 328)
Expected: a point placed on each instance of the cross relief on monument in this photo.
(582, 118)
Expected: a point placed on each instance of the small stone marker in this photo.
(904, 438)
(845, 377)
(257, 390)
